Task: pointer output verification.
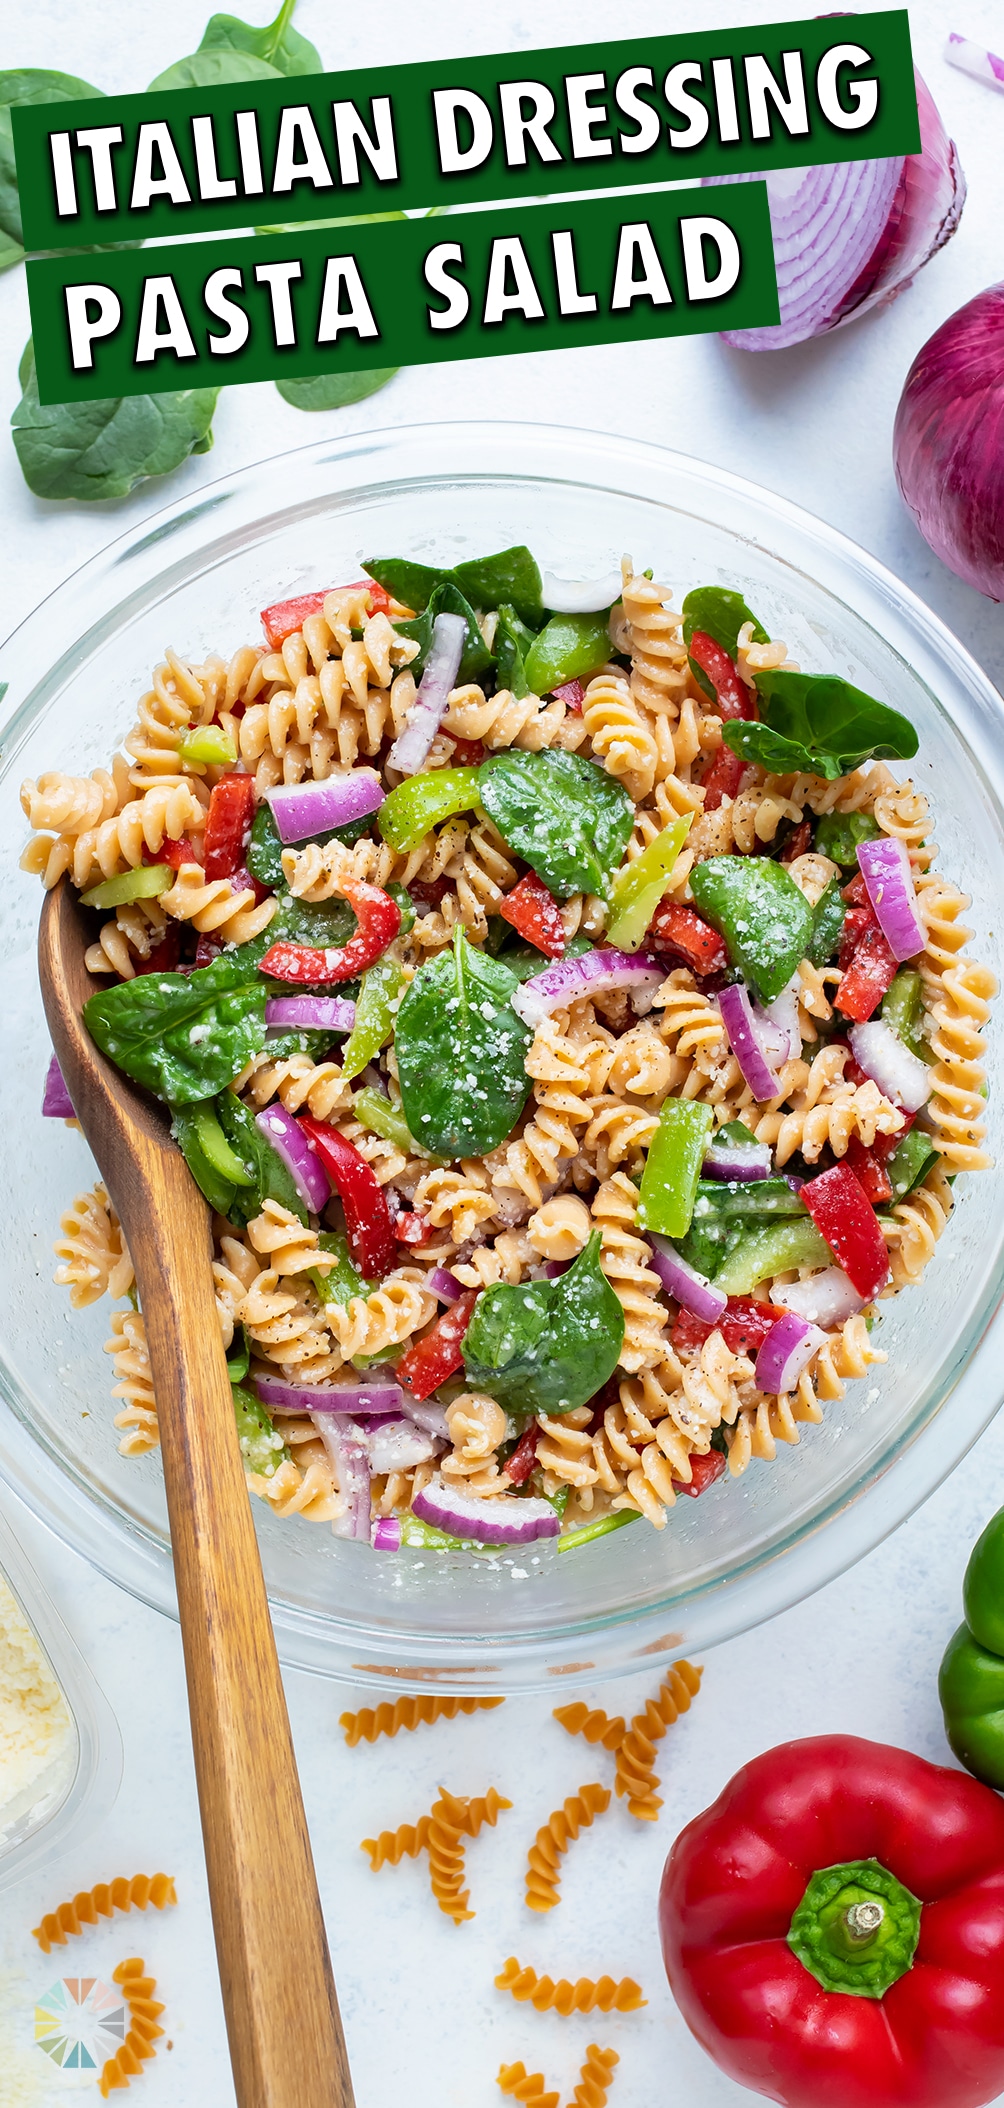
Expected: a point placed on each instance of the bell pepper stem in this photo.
(856, 1928)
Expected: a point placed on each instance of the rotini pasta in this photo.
(593, 1724)
(369, 1724)
(95, 1258)
(86, 1908)
(144, 2010)
(528, 2087)
(636, 1780)
(543, 1873)
(595, 2078)
(565, 1997)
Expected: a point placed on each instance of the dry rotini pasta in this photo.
(144, 2010)
(442, 1834)
(636, 1779)
(592, 1723)
(102, 1901)
(595, 2078)
(414, 1209)
(583, 1996)
(543, 1872)
(370, 1723)
(527, 2087)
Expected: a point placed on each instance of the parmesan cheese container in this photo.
(60, 1750)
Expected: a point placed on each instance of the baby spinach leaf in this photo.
(264, 857)
(546, 1346)
(447, 599)
(279, 44)
(302, 1039)
(461, 1053)
(838, 835)
(512, 642)
(567, 818)
(819, 723)
(510, 578)
(765, 921)
(262, 1447)
(20, 85)
(720, 614)
(184, 1036)
(272, 1181)
(335, 391)
(213, 69)
(103, 449)
(410, 583)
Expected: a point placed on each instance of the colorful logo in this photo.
(80, 2023)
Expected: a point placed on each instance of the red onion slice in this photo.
(351, 1467)
(849, 235)
(386, 1534)
(900, 1074)
(571, 693)
(397, 1445)
(56, 1104)
(693, 1291)
(885, 868)
(427, 1415)
(581, 596)
(444, 1285)
(594, 974)
(745, 1039)
(304, 1166)
(737, 1160)
(554, 1268)
(408, 753)
(322, 1013)
(303, 810)
(827, 1298)
(781, 1016)
(789, 1345)
(498, 1519)
(350, 1398)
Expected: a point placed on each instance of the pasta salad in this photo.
(559, 1007)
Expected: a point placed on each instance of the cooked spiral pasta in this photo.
(131, 1363)
(913, 1227)
(211, 905)
(102, 1901)
(524, 2086)
(617, 733)
(501, 721)
(291, 1247)
(595, 2078)
(118, 842)
(95, 1256)
(592, 1723)
(543, 1874)
(636, 1779)
(564, 1997)
(624, 1257)
(648, 630)
(957, 996)
(368, 1724)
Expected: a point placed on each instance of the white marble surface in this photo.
(422, 2017)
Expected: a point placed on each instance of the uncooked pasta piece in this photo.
(595, 2078)
(592, 1723)
(368, 1724)
(524, 2086)
(583, 1996)
(103, 1901)
(636, 1780)
(144, 2010)
(543, 1873)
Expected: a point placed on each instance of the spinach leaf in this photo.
(20, 85)
(510, 578)
(103, 449)
(720, 614)
(567, 818)
(819, 723)
(461, 1053)
(765, 921)
(512, 643)
(272, 1181)
(334, 391)
(297, 1039)
(184, 1036)
(838, 835)
(262, 1447)
(264, 858)
(546, 1346)
(213, 69)
(279, 44)
(411, 584)
(447, 599)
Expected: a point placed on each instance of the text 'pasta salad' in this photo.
(563, 1019)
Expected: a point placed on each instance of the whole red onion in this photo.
(948, 442)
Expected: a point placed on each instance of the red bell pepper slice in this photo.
(703, 1472)
(280, 621)
(368, 1226)
(841, 1211)
(870, 973)
(439, 1353)
(228, 825)
(723, 778)
(172, 852)
(856, 922)
(379, 919)
(165, 955)
(534, 912)
(856, 892)
(800, 842)
(524, 1456)
(681, 930)
(744, 1325)
(412, 1228)
(467, 753)
(869, 1164)
(207, 949)
(733, 697)
(430, 892)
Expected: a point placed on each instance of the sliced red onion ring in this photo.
(737, 1160)
(556, 1267)
(885, 868)
(746, 1039)
(426, 1414)
(498, 1519)
(826, 1298)
(395, 1445)
(782, 1016)
(444, 1284)
(56, 1103)
(571, 693)
(351, 1398)
(581, 596)
(851, 235)
(386, 1534)
(303, 810)
(352, 1474)
(693, 1291)
(323, 1013)
(289, 1142)
(408, 753)
(593, 974)
(900, 1075)
(788, 1346)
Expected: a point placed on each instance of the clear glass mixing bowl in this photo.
(196, 576)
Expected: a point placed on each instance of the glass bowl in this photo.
(195, 577)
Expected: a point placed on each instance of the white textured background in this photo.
(424, 2023)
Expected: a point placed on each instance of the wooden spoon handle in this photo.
(286, 2040)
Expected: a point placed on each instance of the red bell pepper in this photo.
(856, 922)
(206, 950)
(723, 778)
(869, 975)
(379, 919)
(368, 1226)
(703, 1471)
(869, 1165)
(172, 852)
(467, 753)
(798, 844)
(524, 1456)
(165, 955)
(841, 1212)
(856, 892)
(744, 1325)
(228, 825)
(430, 892)
(535, 913)
(733, 697)
(833, 1929)
(412, 1228)
(439, 1353)
(280, 621)
(674, 928)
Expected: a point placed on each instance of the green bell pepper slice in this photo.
(910, 1162)
(421, 802)
(591, 1530)
(208, 746)
(343, 1280)
(376, 1005)
(770, 1251)
(567, 647)
(142, 884)
(903, 1009)
(216, 1168)
(638, 888)
(262, 1448)
(673, 1167)
(971, 1689)
(766, 922)
(827, 925)
(838, 835)
(721, 1199)
(377, 1113)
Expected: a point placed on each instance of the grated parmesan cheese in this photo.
(34, 1722)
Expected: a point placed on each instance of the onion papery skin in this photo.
(850, 235)
(948, 442)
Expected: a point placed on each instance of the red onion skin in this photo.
(948, 442)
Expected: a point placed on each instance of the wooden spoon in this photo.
(286, 2041)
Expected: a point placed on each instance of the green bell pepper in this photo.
(376, 1005)
(142, 884)
(343, 1280)
(838, 835)
(638, 888)
(766, 922)
(827, 925)
(910, 1162)
(383, 1118)
(724, 1198)
(262, 1448)
(420, 802)
(568, 647)
(983, 1587)
(971, 1679)
(673, 1167)
(208, 746)
(903, 1009)
(770, 1251)
(216, 1168)
(573, 1538)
